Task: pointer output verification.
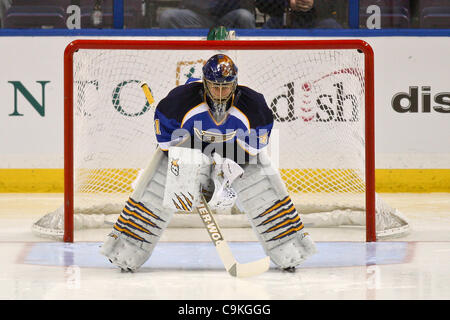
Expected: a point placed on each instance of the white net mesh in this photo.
(318, 143)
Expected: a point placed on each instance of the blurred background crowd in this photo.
(235, 14)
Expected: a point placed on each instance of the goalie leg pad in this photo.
(142, 220)
(263, 197)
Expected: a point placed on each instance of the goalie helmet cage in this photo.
(165, 47)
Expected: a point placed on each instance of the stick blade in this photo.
(244, 270)
(241, 270)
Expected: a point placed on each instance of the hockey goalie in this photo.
(212, 135)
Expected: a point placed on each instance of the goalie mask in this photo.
(219, 81)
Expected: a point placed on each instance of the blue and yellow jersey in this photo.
(184, 118)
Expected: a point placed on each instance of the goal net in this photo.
(321, 95)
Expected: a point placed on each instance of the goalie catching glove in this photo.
(224, 172)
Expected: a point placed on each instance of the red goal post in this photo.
(280, 45)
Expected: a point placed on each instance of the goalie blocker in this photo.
(260, 192)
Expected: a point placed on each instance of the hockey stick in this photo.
(233, 267)
(147, 92)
